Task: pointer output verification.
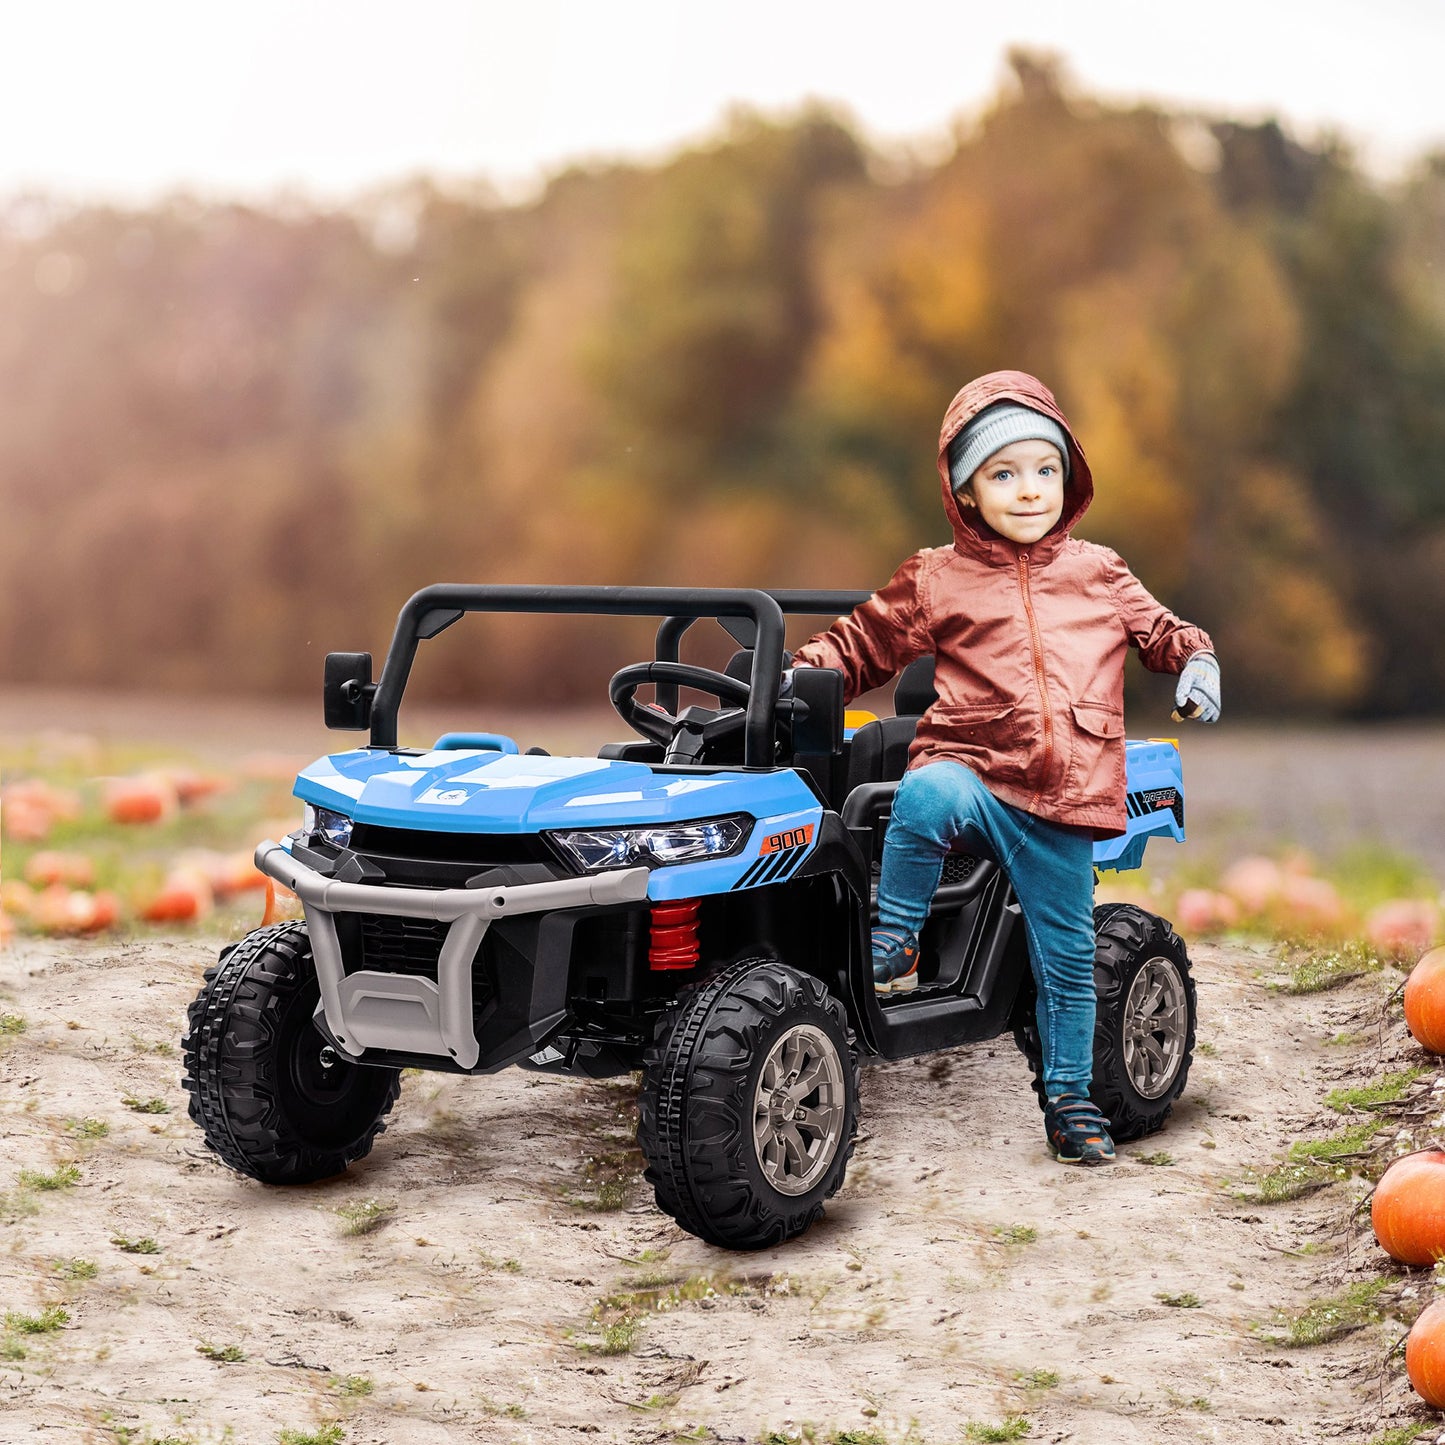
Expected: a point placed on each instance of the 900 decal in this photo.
(793, 838)
(779, 855)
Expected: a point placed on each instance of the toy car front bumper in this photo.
(404, 1013)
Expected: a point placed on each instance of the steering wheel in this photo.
(656, 722)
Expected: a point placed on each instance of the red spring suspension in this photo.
(674, 935)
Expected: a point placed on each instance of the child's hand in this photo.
(1197, 695)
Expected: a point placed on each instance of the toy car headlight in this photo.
(321, 825)
(596, 849)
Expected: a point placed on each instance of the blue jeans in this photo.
(1051, 868)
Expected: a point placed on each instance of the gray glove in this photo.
(1197, 695)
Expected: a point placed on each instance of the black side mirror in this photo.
(347, 691)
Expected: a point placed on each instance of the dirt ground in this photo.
(956, 1275)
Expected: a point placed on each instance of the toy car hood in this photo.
(463, 791)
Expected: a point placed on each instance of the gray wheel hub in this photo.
(799, 1109)
(1156, 1025)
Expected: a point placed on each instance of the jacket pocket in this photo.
(1096, 758)
(986, 735)
(1099, 719)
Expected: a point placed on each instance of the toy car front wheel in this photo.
(273, 1098)
(1144, 1027)
(750, 1105)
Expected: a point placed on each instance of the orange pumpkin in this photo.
(139, 800)
(75, 870)
(1408, 1210)
(1425, 1356)
(1425, 1001)
(184, 897)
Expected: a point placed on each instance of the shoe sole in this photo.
(1088, 1163)
(906, 984)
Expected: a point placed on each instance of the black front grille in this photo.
(390, 944)
(425, 845)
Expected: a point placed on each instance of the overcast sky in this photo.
(126, 101)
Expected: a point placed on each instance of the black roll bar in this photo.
(792, 602)
(430, 611)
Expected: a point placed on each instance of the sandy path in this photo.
(466, 1311)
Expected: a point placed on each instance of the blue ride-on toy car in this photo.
(695, 904)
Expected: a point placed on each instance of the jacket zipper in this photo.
(1038, 649)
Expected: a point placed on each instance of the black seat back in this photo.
(879, 750)
(817, 740)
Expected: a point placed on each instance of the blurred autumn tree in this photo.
(231, 439)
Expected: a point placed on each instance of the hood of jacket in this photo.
(970, 532)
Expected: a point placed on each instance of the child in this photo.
(1024, 749)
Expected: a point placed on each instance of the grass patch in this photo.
(365, 1216)
(1186, 1301)
(1319, 971)
(87, 1128)
(1387, 1089)
(145, 1106)
(11, 1348)
(354, 1387)
(1014, 1428)
(1038, 1379)
(76, 1268)
(11, 1025)
(126, 1245)
(50, 1319)
(509, 1266)
(1016, 1234)
(331, 1434)
(1402, 1434)
(1160, 1158)
(1330, 1150)
(60, 1178)
(222, 1355)
(1327, 1319)
(1285, 1182)
(619, 1337)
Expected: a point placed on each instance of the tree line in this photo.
(234, 437)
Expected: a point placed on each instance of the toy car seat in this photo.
(878, 752)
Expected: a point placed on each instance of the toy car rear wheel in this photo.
(271, 1095)
(749, 1105)
(1144, 1027)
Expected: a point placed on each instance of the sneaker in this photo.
(895, 960)
(1078, 1132)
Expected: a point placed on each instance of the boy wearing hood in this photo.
(1023, 753)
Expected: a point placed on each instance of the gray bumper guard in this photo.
(373, 1010)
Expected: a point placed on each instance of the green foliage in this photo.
(1402, 1434)
(61, 1177)
(1285, 1182)
(1015, 1427)
(77, 1269)
(50, 1319)
(1322, 969)
(331, 1434)
(1327, 1319)
(1387, 1089)
(145, 1106)
(354, 1386)
(1188, 1300)
(1016, 1234)
(87, 1128)
(1038, 1379)
(222, 1355)
(127, 1245)
(1160, 1158)
(11, 1025)
(1330, 1150)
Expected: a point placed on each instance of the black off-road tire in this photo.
(696, 1111)
(271, 1099)
(1126, 940)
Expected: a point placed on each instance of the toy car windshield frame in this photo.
(752, 616)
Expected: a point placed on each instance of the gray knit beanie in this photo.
(995, 427)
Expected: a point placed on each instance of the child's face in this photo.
(1019, 490)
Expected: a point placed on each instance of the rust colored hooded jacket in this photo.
(1029, 642)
